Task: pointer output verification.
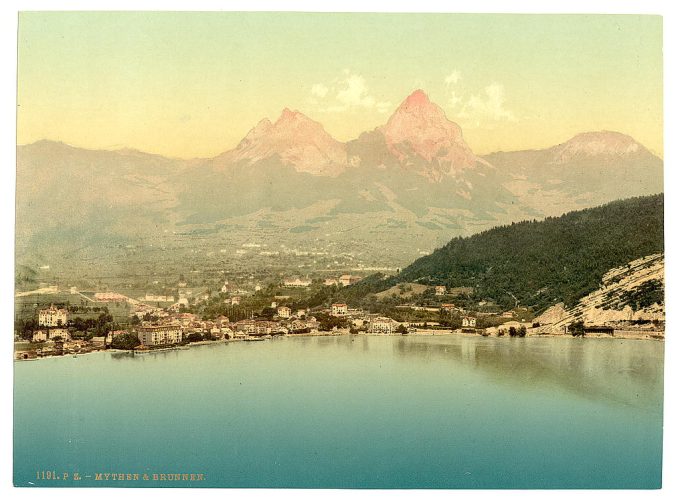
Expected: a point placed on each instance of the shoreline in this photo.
(629, 335)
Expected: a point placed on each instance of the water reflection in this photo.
(623, 371)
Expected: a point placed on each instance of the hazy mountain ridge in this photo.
(410, 184)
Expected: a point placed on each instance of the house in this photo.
(440, 290)
(283, 312)
(448, 307)
(110, 297)
(338, 309)
(154, 298)
(346, 280)
(246, 327)
(235, 300)
(39, 336)
(301, 313)
(60, 332)
(222, 321)
(330, 281)
(470, 322)
(297, 282)
(52, 317)
(152, 335)
(381, 325)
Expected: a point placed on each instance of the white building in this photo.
(39, 336)
(59, 332)
(53, 317)
(338, 309)
(440, 290)
(469, 322)
(154, 298)
(153, 335)
(381, 325)
(283, 312)
(297, 282)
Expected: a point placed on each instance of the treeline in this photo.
(539, 263)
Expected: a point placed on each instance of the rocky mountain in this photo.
(390, 195)
(295, 140)
(588, 169)
(633, 293)
(420, 129)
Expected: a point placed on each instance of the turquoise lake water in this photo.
(414, 411)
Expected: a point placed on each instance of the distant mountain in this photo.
(419, 128)
(590, 168)
(540, 263)
(393, 193)
(296, 140)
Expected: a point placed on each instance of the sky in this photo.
(193, 84)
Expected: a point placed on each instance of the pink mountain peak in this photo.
(421, 127)
(417, 99)
(288, 116)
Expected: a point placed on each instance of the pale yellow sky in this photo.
(193, 84)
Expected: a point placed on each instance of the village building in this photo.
(440, 290)
(297, 282)
(330, 281)
(470, 322)
(381, 325)
(222, 321)
(155, 298)
(110, 297)
(39, 336)
(60, 332)
(448, 307)
(246, 327)
(283, 312)
(346, 280)
(153, 335)
(339, 309)
(53, 317)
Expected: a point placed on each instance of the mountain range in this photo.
(390, 195)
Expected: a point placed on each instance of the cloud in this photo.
(349, 92)
(452, 79)
(355, 93)
(488, 105)
(319, 90)
(454, 99)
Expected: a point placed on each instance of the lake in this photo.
(362, 411)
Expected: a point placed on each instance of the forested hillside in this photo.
(538, 263)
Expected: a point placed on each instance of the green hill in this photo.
(538, 263)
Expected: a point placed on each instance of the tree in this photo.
(522, 332)
(512, 331)
(125, 341)
(577, 329)
(401, 329)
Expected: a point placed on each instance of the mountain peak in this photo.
(296, 140)
(288, 116)
(417, 98)
(421, 127)
(596, 143)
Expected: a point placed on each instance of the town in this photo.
(53, 320)
(77, 322)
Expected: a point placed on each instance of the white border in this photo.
(8, 17)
